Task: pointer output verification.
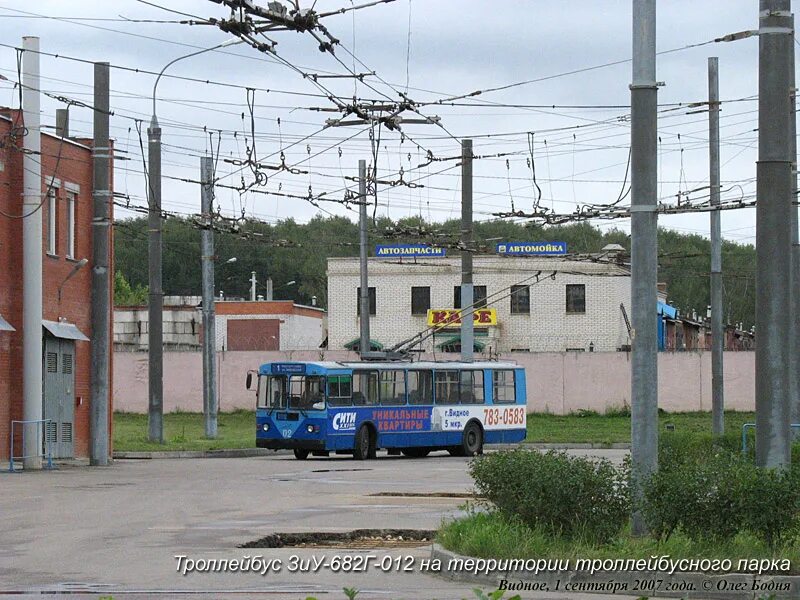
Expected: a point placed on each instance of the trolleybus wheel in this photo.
(472, 440)
(363, 449)
(300, 454)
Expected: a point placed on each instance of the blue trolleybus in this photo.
(411, 408)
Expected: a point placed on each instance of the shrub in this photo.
(715, 498)
(571, 496)
(772, 505)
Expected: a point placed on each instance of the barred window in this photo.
(520, 300)
(576, 298)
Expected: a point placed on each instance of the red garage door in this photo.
(254, 334)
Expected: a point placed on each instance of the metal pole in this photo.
(210, 405)
(467, 288)
(717, 331)
(644, 262)
(101, 288)
(32, 202)
(62, 121)
(364, 343)
(773, 235)
(252, 286)
(156, 296)
(794, 363)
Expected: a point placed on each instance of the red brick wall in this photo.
(254, 334)
(72, 163)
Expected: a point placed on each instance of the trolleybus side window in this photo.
(340, 390)
(392, 387)
(471, 388)
(504, 389)
(420, 387)
(365, 388)
(446, 387)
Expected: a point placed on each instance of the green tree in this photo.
(127, 295)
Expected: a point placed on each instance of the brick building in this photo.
(240, 325)
(578, 308)
(67, 211)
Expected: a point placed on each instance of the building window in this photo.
(576, 298)
(420, 300)
(51, 222)
(372, 302)
(71, 225)
(478, 296)
(520, 300)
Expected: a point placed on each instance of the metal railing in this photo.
(747, 426)
(41, 434)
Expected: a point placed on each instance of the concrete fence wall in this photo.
(558, 382)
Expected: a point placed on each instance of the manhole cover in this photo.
(337, 470)
(358, 538)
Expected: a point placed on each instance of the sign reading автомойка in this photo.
(531, 248)
(409, 251)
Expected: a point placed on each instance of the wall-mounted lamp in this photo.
(78, 266)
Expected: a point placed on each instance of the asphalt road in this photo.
(83, 532)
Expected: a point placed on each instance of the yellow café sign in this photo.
(449, 317)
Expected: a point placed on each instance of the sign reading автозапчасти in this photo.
(528, 248)
(409, 251)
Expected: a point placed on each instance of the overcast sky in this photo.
(435, 48)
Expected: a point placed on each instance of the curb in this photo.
(250, 452)
(231, 453)
(575, 446)
(695, 585)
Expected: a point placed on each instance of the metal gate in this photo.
(59, 395)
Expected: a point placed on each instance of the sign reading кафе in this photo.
(450, 317)
(409, 251)
(531, 248)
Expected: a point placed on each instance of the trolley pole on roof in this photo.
(644, 261)
(364, 343)
(467, 287)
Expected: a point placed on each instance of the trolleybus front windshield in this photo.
(297, 392)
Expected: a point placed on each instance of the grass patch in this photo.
(185, 431)
(614, 427)
(492, 535)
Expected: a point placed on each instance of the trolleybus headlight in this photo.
(310, 429)
(265, 427)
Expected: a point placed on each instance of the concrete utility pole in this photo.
(364, 343)
(253, 283)
(32, 202)
(101, 288)
(155, 312)
(717, 331)
(794, 363)
(210, 405)
(155, 337)
(62, 122)
(773, 234)
(644, 253)
(467, 288)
